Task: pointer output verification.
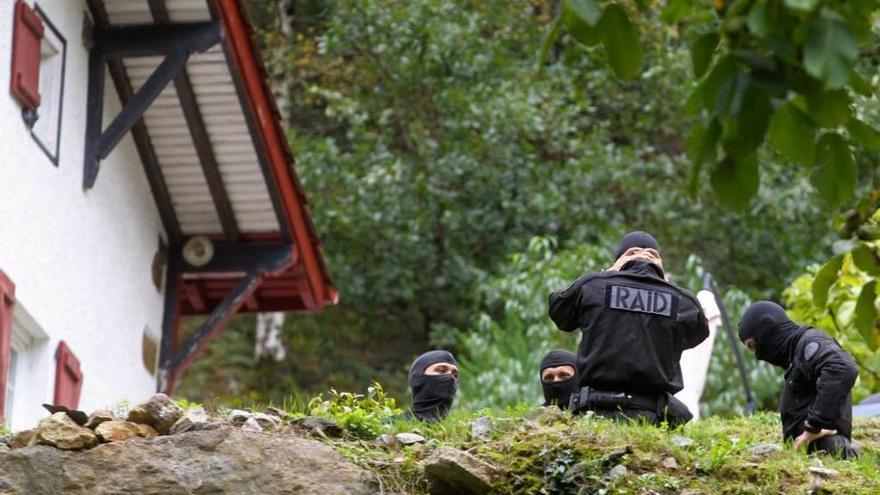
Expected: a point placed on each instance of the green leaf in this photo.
(702, 51)
(866, 259)
(825, 279)
(550, 38)
(829, 108)
(802, 5)
(706, 92)
(758, 21)
(835, 171)
(620, 37)
(866, 314)
(676, 10)
(793, 134)
(865, 135)
(860, 86)
(735, 180)
(745, 128)
(581, 19)
(701, 147)
(830, 51)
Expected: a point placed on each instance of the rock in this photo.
(222, 461)
(388, 440)
(824, 472)
(78, 417)
(238, 417)
(192, 419)
(267, 422)
(409, 438)
(59, 431)
(116, 431)
(251, 425)
(617, 472)
(481, 428)
(147, 431)
(160, 412)
(683, 442)
(455, 472)
(22, 439)
(319, 425)
(549, 415)
(670, 463)
(4, 448)
(764, 449)
(274, 411)
(98, 417)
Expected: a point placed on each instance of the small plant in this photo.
(185, 404)
(4, 430)
(364, 416)
(121, 408)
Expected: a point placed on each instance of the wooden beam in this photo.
(199, 133)
(142, 141)
(156, 39)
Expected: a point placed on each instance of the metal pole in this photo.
(750, 407)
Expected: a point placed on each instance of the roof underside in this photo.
(233, 195)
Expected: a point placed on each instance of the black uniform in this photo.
(818, 380)
(635, 325)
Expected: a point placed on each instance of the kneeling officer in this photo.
(635, 325)
(816, 404)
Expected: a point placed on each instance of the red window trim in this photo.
(26, 41)
(68, 377)
(7, 305)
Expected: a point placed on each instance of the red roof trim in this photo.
(262, 105)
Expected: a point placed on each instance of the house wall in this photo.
(81, 260)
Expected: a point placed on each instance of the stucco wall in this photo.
(80, 259)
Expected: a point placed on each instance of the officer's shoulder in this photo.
(684, 292)
(815, 342)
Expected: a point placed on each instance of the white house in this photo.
(130, 130)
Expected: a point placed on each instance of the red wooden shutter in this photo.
(68, 377)
(26, 42)
(7, 303)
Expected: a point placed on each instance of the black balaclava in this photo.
(775, 335)
(636, 239)
(559, 393)
(432, 394)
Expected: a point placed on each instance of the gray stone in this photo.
(455, 472)
(251, 425)
(116, 431)
(670, 463)
(764, 449)
(238, 417)
(274, 411)
(267, 422)
(617, 472)
(60, 431)
(388, 440)
(212, 462)
(409, 438)
(683, 442)
(193, 419)
(98, 417)
(160, 412)
(824, 472)
(319, 425)
(481, 428)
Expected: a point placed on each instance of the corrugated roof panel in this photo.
(128, 11)
(232, 143)
(190, 195)
(188, 10)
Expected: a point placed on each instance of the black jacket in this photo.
(817, 386)
(635, 325)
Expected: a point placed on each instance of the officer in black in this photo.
(816, 405)
(558, 374)
(433, 381)
(635, 325)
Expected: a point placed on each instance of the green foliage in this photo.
(363, 416)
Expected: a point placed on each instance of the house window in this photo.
(53, 54)
(10, 384)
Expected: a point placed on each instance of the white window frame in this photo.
(31, 380)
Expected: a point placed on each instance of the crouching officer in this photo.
(816, 404)
(558, 377)
(635, 325)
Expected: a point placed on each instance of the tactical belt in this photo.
(589, 398)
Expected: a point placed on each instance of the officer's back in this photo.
(635, 323)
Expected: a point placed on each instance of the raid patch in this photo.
(641, 300)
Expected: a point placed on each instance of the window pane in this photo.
(10, 386)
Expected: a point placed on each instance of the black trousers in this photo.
(834, 445)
